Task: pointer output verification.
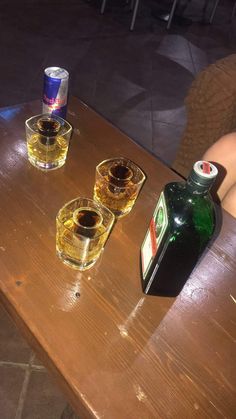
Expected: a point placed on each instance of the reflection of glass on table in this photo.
(117, 184)
(47, 141)
(83, 227)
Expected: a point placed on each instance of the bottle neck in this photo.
(195, 187)
(201, 178)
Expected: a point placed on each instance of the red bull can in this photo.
(55, 91)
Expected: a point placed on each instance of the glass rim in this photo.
(126, 160)
(52, 116)
(88, 228)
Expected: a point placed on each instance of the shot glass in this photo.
(83, 227)
(47, 139)
(117, 184)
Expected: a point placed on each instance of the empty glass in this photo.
(117, 184)
(47, 139)
(83, 227)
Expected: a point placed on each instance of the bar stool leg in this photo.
(172, 14)
(103, 6)
(234, 10)
(68, 413)
(213, 11)
(134, 15)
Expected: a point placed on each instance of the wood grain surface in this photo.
(116, 353)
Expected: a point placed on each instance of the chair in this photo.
(211, 112)
(134, 7)
(171, 15)
(212, 14)
(214, 11)
(233, 11)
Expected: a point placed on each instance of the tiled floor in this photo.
(137, 80)
(26, 391)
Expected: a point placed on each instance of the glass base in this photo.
(117, 213)
(75, 264)
(120, 214)
(46, 166)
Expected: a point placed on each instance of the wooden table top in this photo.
(116, 353)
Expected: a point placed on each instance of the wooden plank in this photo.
(115, 352)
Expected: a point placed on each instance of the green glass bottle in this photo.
(182, 225)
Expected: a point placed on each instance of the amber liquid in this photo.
(47, 153)
(80, 237)
(116, 190)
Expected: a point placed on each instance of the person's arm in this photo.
(223, 152)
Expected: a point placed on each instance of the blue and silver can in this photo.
(55, 91)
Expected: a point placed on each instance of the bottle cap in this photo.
(205, 169)
(203, 174)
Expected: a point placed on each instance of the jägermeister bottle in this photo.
(182, 225)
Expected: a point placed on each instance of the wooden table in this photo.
(115, 353)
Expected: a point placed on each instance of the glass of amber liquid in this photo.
(47, 139)
(83, 227)
(117, 184)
